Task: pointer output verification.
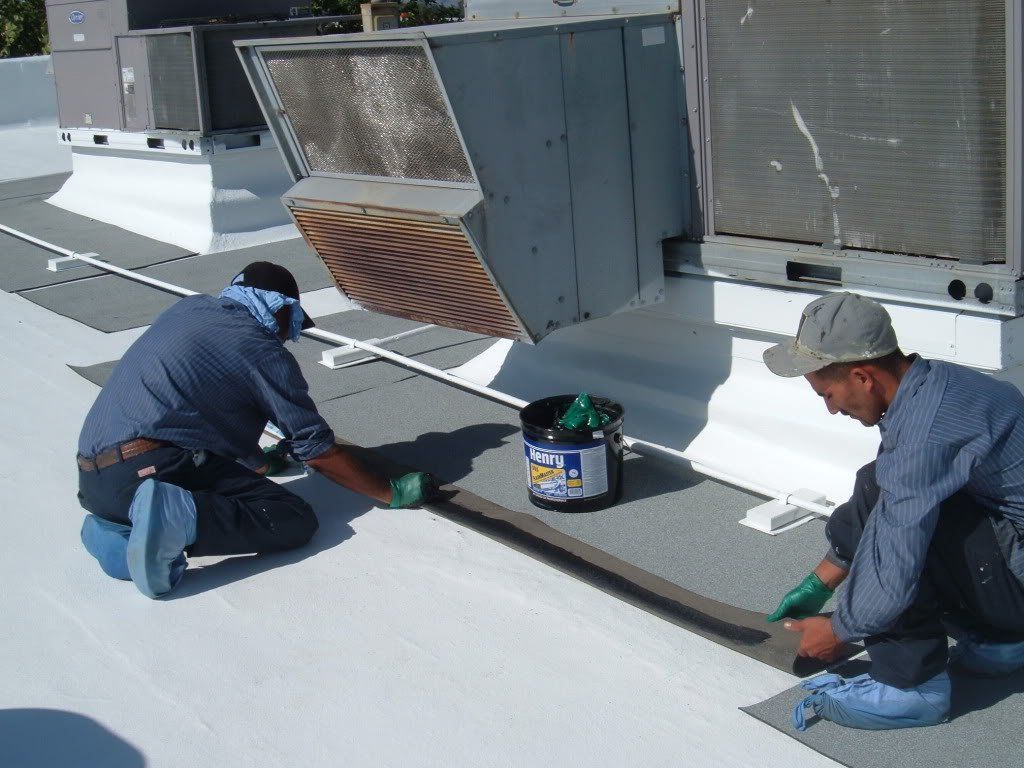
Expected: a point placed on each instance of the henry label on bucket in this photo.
(560, 472)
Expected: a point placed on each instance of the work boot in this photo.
(108, 543)
(974, 654)
(163, 523)
(862, 702)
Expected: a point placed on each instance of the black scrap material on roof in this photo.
(738, 629)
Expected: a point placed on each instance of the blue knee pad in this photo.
(163, 523)
(108, 543)
(862, 702)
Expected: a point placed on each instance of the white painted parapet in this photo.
(204, 195)
(28, 120)
(29, 92)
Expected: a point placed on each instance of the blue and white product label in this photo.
(76, 17)
(563, 472)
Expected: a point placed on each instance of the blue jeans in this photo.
(237, 510)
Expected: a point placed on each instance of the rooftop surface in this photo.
(395, 637)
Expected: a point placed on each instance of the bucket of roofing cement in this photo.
(572, 470)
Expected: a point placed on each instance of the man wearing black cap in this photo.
(932, 539)
(159, 452)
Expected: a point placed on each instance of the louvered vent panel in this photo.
(173, 82)
(419, 270)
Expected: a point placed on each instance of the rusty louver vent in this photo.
(421, 270)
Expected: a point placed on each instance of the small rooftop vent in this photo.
(509, 180)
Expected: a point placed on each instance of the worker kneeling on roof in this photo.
(932, 539)
(160, 451)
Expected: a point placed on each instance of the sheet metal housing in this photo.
(149, 66)
(571, 169)
(878, 149)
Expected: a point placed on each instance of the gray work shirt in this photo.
(949, 428)
(206, 375)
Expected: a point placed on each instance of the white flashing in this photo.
(64, 263)
(347, 355)
(776, 516)
(216, 197)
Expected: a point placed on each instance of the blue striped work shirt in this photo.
(206, 375)
(947, 429)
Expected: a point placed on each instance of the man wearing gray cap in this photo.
(932, 539)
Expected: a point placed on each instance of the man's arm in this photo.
(886, 570)
(831, 575)
(285, 394)
(339, 465)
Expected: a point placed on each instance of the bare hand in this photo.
(817, 640)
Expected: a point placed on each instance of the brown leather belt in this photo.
(121, 452)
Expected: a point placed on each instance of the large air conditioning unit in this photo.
(161, 65)
(508, 179)
(874, 146)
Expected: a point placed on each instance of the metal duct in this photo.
(877, 125)
(505, 182)
(421, 270)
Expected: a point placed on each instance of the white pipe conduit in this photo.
(636, 445)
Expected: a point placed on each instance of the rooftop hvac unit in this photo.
(506, 178)
(866, 144)
(150, 65)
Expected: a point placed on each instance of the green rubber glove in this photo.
(412, 490)
(276, 459)
(582, 415)
(805, 599)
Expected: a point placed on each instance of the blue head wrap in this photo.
(263, 304)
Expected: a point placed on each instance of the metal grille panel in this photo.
(369, 111)
(419, 270)
(877, 125)
(173, 82)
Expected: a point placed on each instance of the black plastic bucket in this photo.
(571, 471)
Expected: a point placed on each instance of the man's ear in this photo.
(283, 317)
(861, 376)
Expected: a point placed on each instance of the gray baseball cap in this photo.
(837, 328)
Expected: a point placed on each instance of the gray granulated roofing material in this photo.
(983, 732)
(211, 272)
(17, 191)
(23, 266)
(681, 527)
(438, 347)
(97, 374)
(112, 303)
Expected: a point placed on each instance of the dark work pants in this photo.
(965, 582)
(237, 510)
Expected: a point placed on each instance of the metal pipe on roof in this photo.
(642, 447)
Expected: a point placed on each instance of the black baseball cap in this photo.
(272, 277)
